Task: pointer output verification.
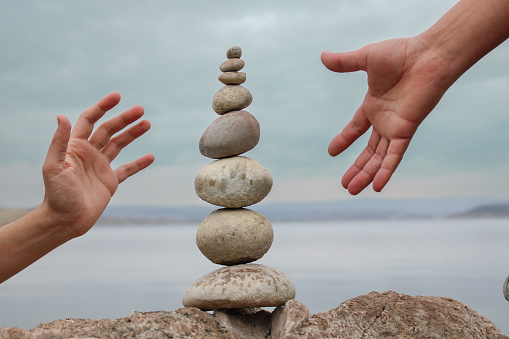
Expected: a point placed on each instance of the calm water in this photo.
(113, 270)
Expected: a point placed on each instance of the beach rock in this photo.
(232, 78)
(505, 288)
(234, 236)
(234, 52)
(232, 65)
(240, 286)
(233, 182)
(231, 134)
(231, 98)
(375, 315)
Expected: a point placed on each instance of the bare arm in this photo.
(406, 79)
(79, 183)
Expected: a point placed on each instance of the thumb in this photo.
(347, 61)
(58, 147)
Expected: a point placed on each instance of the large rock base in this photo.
(376, 315)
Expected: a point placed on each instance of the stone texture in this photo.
(376, 315)
(231, 98)
(234, 52)
(505, 288)
(233, 182)
(231, 134)
(234, 236)
(240, 286)
(232, 65)
(232, 78)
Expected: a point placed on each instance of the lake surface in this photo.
(116, 269)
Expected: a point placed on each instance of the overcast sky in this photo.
(60, 57)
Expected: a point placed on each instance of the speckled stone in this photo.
(231, 134)
(231, 236)
(232, 78)
(234, 52)
(240, 286)
(232, 65)
(233, 182)
(231, 98)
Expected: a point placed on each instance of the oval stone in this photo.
(231, 236)
(231, 98)
(234, 52)
(232, 65)
(231, 134)
(240, 286)
(232, 78)
(233, 182)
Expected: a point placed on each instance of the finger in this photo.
(129, 169)
(57, 150)
(346, 61)
(105, 132)
(351, 132)
(391, 161)
(113, 148)
(85, 124)
(362, 159)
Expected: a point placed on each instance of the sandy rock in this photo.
(231, 134)
(232, 65)
(233, 182)
(234, 236)
(240, 286)
(234, 52)
(232, 78)
(376, 315)
(231, 98)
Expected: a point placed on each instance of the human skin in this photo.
(406, 79)
(79, 183)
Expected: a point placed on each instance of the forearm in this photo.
(467, 32)
(24, 241)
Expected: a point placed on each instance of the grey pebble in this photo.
(232, 78)
(234, 52)
(232, 65)
(231, 98)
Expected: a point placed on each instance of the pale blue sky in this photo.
(59, 57)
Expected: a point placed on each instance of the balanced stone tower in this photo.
(235, 236)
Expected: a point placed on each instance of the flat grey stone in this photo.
(232, 65)
(234, 52)
(240, 286)
(231, 98)
(232, 78)
(233, 182)
(231, 236)
(231, 134)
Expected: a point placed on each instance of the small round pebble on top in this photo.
(234, 52)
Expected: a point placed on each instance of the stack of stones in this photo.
(235, 236)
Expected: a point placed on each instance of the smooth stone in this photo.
(234, 236)
(233, 182)
(232, 78)
(234, 52)
(232, 65)
(240, 286)
(231, 134)
(231, 98)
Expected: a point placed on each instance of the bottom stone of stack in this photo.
(240, 286)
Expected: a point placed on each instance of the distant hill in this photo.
(486, 211)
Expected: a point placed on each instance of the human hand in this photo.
(405, 82)
(78, 178)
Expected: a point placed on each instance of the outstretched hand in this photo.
(77, 172)
(405, 82)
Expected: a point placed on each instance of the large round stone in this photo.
(240, 286)
(234, 236)
(233, 182)
(231, 134)
(231, 98)
(232, 78)
(232, 65)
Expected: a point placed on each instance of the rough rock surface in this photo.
(240, 286)
(234, 236)
(232, 78)
(376, 315)
(232, 65)
(233, 182)
(231, 98)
